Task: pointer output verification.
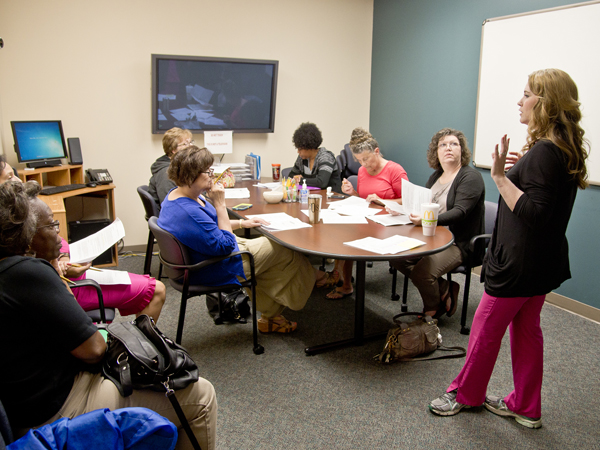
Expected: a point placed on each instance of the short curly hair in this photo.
(307, 137)
(17, 223)
(432, 151)
(188, 164)
(362, 141)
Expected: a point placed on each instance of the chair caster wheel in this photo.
(395, 297)
(465, 330)
(404, 308)
(259, 350)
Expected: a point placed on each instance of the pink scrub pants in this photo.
(493, 316)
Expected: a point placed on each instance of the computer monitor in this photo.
(39, 143)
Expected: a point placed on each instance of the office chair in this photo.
(351, 165)
(102, 314)
(477, 247)
(177, 263)
(6, 436)
(286, 172)
(152, 209)
(353, 179)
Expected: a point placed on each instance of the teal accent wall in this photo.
(424, 77)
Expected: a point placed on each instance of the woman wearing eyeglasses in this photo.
(285, 278)
(460, 192)
(52, 346)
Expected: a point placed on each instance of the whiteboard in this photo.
(512, 47)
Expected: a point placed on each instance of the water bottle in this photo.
(304, 193)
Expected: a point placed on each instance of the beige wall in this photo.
(88, 64)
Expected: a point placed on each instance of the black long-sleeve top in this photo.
(529, 254)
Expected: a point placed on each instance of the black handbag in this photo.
(229, 307)
(419, 337)
(140, 356)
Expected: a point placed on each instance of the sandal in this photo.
(278, 324)
(328, 280)
(337, 295)
(453, 298)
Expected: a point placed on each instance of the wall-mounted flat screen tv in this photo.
(206, 94)
(39, 143)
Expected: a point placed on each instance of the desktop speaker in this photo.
(74, 151)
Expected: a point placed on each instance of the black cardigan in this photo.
(465, 207)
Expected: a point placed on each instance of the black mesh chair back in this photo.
(352, 165)
(178, 266)
(152, 209)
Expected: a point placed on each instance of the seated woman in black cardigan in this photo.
(460, 192)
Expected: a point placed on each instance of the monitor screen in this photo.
(40, 141)
(204, 93)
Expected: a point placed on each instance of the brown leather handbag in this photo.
(419, 337)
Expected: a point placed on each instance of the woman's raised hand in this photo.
(511, 159)
(499, 158)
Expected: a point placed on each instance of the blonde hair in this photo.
(171, 137)
(556, 116)
(361, 141)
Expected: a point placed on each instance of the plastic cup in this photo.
(314, 208)
(276, 171)
(429, 218)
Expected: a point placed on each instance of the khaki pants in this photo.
(198, 402)
(285, 278)
(426, 274)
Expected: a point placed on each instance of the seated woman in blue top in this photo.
(315, 164)
(284, 278)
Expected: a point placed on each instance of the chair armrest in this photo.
(477, 238)
(95, 285)
(208, 262)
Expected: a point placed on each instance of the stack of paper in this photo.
(241, 169)
(254, 162)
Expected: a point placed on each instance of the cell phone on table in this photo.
(337, 196)
(242, 207)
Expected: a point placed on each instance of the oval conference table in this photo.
(327, 241)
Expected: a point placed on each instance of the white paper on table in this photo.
(89, 248)
(331, 217)
(357, 210)
(388, 220)
(273, 185)
(413, 196)
(350, 202)
(237, 193)
(280, 222)
(388, 246)
(108, 276)
(393, 205)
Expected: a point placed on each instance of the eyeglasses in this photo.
(446, 145)
(55, 224)
(186, 143)
(210, 172)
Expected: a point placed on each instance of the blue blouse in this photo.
(196, 227)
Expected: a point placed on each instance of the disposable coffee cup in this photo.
(314, 208)
(429, 218)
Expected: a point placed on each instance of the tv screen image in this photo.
(205, 93)
(39, 142)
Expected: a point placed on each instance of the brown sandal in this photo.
(278, 324)
(328, 280)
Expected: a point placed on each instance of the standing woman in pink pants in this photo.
(528, 253)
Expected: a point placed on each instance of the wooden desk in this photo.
(327, 241)
(68, 174)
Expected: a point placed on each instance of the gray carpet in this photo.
(284, 399)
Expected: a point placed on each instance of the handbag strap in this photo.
(182, 419)
(462, 353)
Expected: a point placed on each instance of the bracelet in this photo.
(241, 220)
